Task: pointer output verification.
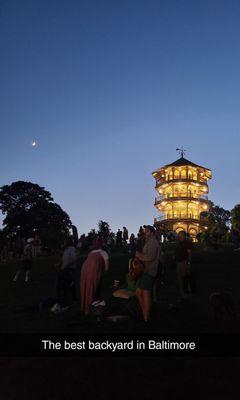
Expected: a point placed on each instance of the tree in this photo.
(219, 215)
(235, 217)
(28, 206)
(218, 221)
(91, 236)
(104, 230)
(22, 195)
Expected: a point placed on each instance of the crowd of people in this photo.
(13, 248)
(145, 249)
(146, 267)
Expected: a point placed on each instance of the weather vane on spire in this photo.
(181, 151)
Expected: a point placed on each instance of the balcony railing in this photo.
(190, 196)
(198, 180)
(178, 217)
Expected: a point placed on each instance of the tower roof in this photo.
(183, 162)
(180, 163)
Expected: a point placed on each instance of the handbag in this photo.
(136, 269)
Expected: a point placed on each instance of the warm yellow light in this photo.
(185, 186)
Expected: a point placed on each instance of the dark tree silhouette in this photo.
(104, 230)
(22, 195)
(28, 206)
(218, 222)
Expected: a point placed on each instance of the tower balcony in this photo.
(178, 218)
(159, 199)
(160, 182)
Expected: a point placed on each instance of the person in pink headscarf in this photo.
(91, 275)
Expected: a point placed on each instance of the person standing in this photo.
(119, 239)
(132, 244)
(125, 236)
(150, 256)
(183, 256)
(37, 245)
(65, 284)
(159, 280)
(26, 262)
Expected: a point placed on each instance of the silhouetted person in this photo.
(183, 256)
(132, 244)
(125, 235)
(26, 262)
(65, 285)
(150, 256)
(119, 238)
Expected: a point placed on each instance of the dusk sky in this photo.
(109, 89)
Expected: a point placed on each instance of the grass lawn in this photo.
(165, 377)
(214, 270)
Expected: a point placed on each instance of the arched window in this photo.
(180, 228)
(192, 231)
(176, 174)
(183, 174)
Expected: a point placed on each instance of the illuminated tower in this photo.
(182, 196)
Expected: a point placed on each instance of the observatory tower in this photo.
(182, 188)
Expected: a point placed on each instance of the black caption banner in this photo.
(34, 345)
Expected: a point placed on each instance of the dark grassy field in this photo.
(214, 271)
(169, 378)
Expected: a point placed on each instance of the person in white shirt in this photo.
(27, 261)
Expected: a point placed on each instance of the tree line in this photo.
(26, 207)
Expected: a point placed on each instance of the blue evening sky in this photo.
(109, 89)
